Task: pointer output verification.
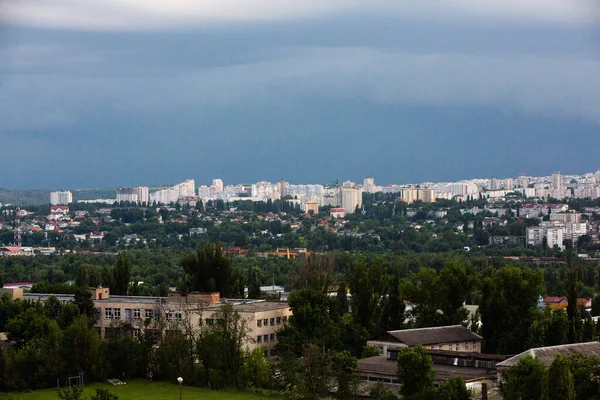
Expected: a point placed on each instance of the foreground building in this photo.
(455, 351)
(178, 312)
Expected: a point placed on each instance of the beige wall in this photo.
(470, 346)
(181, 316)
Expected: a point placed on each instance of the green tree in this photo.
(509, 298)
(104, 394)
(209, 270)
(586, 371)
(83, 300)
(255, 371)
(414, 371)
(121, 275)
(343, 367)
(454, 388)
(559, 383)
(254, 291)
(523, 380)
(72, 393)
(573, 287)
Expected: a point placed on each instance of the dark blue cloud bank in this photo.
(344, 91)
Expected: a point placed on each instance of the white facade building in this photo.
(61, 198)
(351, 198)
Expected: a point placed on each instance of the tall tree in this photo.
(524, 380)
(121, 275)
(414, 371)
(254, 283)
(573, 313)
(209, 270)
(559, 383)
(509, 298)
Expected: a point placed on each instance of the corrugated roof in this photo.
(439, 334)
(547, 354)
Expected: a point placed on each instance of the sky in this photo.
(106, 93)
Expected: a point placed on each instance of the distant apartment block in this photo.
(61, 198)
(410, 195)
(351, 198)
(172, 194)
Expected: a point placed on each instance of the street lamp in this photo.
(180, 381)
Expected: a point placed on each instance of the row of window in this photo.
(115, 313)
(266, 322)
(466, 346)
(265, 338)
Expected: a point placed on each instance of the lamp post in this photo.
(180, 381)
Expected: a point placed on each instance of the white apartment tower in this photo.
(61, 198)
(351, 198)
(143, 194)
(217, 184)
(557, 181)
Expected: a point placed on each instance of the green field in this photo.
(142, 390)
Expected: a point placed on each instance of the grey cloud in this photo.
(530, 85)
(158, 14)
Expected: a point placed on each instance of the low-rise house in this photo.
(451, 338)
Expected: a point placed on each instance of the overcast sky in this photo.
(98, 93)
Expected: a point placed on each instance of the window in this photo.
(156, 315)
(136, 333)
(278, 320)
(259, 339)
(266, 353)
(272, 321)
(441, 347)
(284, 318)
(457, 347)
(466, 346)
(265, 322)
(97, 314)
(148, 314)
(108, 313)
(272, 337)
(259, 323)
(474, 346)
(178, 315)
(169, 315)
(266, 338)
(136, 313)
(117, 314)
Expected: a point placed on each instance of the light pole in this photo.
(180, 381)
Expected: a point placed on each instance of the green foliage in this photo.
(452, 389)
(414, 371)
(104, 394)
(72, 393)
(559, 383)
(121, 276)
(510, 297)
(255, 371)
(524, 380)
(210, 270)
(381, 392)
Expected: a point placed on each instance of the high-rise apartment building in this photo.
(557, 181)
(410, 195)
(61, 198)
(133, 195)
(143, 194)
(369, 185)
(217, 185)
(351, 198)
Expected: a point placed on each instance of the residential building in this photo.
(61, 198)
(557, 181)
(351, 198)
(554, 236)
(129, 195)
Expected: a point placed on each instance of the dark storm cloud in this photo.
(242, 94)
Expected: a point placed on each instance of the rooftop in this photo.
(425, 336)
(548, 354)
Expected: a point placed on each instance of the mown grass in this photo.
(145, 390)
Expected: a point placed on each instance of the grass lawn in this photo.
(143, 390)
